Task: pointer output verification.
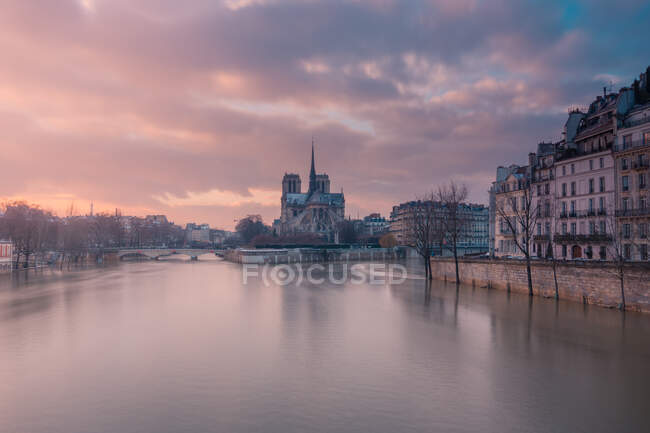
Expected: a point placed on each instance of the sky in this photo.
(196, 109)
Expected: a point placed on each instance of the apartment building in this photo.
(543, 189)
(509, 197)
(473, 238)
(632, 155)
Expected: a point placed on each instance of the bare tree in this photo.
(455, 217)
(28, 226)
(550, 242)
(519, 214)
(74, 239)
(423, 225)
(104, 232)
(619, 249)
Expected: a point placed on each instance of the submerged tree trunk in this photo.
(621, 277)
(456, 263)
(530, 277)
(557, 291)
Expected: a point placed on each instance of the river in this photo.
(179, 346)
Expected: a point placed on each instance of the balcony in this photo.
(640, 165)
(541, 237)
(572, 238)
(563, 215)
(632, 212)
(631, 123)
(573, 214)
(602, 212)
(634, 144)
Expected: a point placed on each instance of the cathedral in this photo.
(317, 211)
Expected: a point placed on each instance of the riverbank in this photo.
(587, 282)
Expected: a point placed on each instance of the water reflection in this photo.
(185, 346)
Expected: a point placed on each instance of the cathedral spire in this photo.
(312, 172)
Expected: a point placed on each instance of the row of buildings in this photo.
(473, 238)
(588, 190)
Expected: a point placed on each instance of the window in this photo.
(573, 228)
(564, 170)
(601, 204)
(591, 186)
(573, 207)
(603, 227)
(643, 230)
(591, 164)
(626, 203)
(563, 208)
(547, 189)
(625, 181)
(624, 164)
(539, 228)
(591, 205)
(539, 189)
(603, 253)
(641, 180)
(573, 168)
(592, 228)
(564, 190)
(627, 231)
(601, 183)
(627, 252)
(547, 228)
(642, 203)
(627, 141)
(643, 252)
(547, 209)
(563, 228)
(573, 188)
(646, 137)
(602, 163)
(589, 252)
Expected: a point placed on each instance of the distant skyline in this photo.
(196, 109)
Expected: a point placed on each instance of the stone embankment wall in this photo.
(280, 256)
(589, 282)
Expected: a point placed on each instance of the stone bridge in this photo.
(156, 253)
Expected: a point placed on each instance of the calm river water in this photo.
(186, 347)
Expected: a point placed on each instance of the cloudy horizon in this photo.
(197, 109)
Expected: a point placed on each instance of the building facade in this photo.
(509, 197)
(375, 225)
(6, 255)
(317, 211)
(474, 237)
(632, 160)
(197, 234)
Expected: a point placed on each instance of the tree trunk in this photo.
(456, 263)
(622, 278)
(557, 292)
(530, 277)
